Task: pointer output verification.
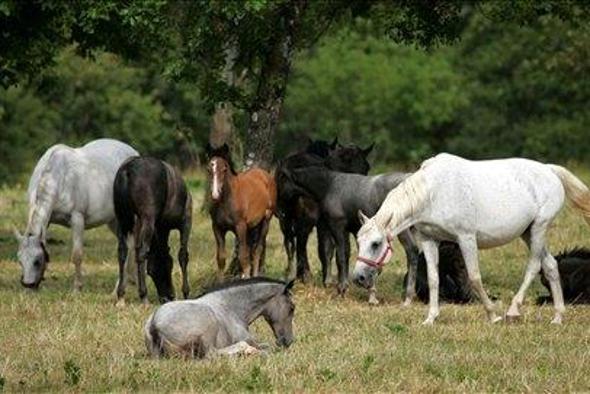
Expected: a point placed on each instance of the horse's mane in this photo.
(577, 251)
(239, 282)
(401, 203)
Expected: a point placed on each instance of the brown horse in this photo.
(242, 203)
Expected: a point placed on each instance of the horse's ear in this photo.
(208, 149)
(225, 148)
(334, 143)
(19, 237)
(289, 286)
(362, 217)
(368, 149)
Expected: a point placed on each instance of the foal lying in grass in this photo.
(217, 322)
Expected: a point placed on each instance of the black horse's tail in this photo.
(121, 201)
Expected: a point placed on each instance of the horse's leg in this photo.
(468, 245)
(430, 249)
(325, 251)
(131, 276)
(220, 241)
(551, 272)
(77, 225)
(302, 229)
(122, 252)
(259, 246)
(239, 348)
(244, 254)
(144, 232)
(340, 235)
(412, 257)
(535, 240)
(185, 231)
(289, 245)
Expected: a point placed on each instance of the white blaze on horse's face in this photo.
(33, 259)
(218, 170)
(373, 246)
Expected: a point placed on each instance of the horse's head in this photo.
(350, 158)
(374, 251)
(160, 270)
(220, 164)
(278, 312)
(33, 258)
(321, 148)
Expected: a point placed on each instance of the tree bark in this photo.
(272, 84)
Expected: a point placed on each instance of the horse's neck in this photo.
(402, 205)
(314, 181)
(41, 204)
(246, 302)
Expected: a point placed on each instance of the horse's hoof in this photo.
(557, 320)
(428, 322)
(513, 319)
(407, 302)
(120, 303)
(373, 300)
(495, 319)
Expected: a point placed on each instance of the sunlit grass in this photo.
(54, 340)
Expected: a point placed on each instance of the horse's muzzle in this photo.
(284, 342)
(32, 286)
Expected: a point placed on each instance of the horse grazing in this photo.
(242, 203)
(72, 187)
(151, 199)
(340, 196)
(477, 204)
(574, 272)
(297, 214)
(453, 279)
(218, 321)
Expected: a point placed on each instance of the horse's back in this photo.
(107, 153)
(186, 326)
(498, 198)
(256, 193)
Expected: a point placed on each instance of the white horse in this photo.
(72, 187)
(478, 204)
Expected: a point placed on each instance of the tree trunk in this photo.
(270, 93)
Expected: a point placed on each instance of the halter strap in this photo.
(380, 262)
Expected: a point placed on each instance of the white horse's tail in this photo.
(575, 190)
(153, 342)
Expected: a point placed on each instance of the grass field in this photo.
(55, 340)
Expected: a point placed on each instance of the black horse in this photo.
(574, 272)
(151, 199)
(298, 214)
(453, 280)
(340, 196)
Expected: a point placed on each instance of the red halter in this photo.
(379, 263)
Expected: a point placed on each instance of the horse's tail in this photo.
(153, 342)
(575, 190)
(121, 201)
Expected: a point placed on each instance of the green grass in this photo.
(55, 340)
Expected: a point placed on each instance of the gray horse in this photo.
(72, 187)
(217, 322)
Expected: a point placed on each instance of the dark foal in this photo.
(298, 215)
(242, 203)
(151, 199)
(574, 272)
(453, 280)
(340, 196)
